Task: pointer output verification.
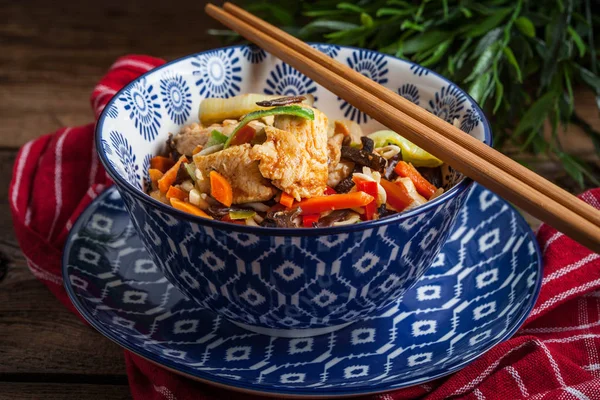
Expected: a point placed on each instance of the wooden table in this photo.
(50, 59)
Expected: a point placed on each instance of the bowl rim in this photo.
(121, 183)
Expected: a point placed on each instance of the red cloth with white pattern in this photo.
(555, 355)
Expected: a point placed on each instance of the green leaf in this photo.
(534, 117)
(366, 20)
(588, 77)
(350, 7)
(424, 41)
(382, 12)
(466, 12)
(569, 86)
(578, 41)
(525, 25)
(437, 54)
(489, 23)
(445, 7)
(572, 167)
(486, 41)
(412, 25)
(328, 25)
(483, 62)
(499, 90)
(478, 88)
(510, 57)
(401, 3)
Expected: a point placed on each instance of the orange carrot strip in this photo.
(161, 163)
(422, 185)
(397, 195)
(341, 127)
(170, 176)
(177, 193)
(286, 199)
(220, 189)
(197, 150)
(317, 205)
(188, 208)
(155, 174)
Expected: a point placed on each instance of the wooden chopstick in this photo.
(439, 125)
(465, 161)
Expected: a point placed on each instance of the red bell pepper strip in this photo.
(317, 205)
(370, 188)
(243, 136)
(329, 191)
(308, 220)
(424, 188)
(397, 195)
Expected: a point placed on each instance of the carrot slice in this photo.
(177, 193)
(422, 185)
(161, 163)
(170, 176)
(340, 127)
(317, 205)
(155, 174)
(286, 199)
(188, 208)
(220, 189)
(244, 135)
(397, 195)
(197, 150)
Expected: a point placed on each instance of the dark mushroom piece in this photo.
(182, 175)
(334, 216)
(364, 158)
(367, 144)
(433, 175)
(171, 148)
(282, 101)
(284, 218)
(345, 185)
(389, 172)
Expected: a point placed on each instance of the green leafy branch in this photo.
(520, 60)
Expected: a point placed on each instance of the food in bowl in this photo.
(276, 161)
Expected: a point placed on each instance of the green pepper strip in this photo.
(296, 111)
(216, 137)
(191, 171)
(241, 214)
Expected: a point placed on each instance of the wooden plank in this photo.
(37, 333)
(51, 57)
(35, 391)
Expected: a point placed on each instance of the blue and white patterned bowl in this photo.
(289, 282)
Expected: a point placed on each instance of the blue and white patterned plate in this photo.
(477, 293)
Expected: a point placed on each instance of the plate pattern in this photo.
(477, 292)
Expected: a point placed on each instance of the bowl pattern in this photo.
(284, 282)
(269, 278)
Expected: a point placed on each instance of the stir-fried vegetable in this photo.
(220, 189)
(175, 192)
(241, 214)
(410, 152)
(311, 174)
(286, 200)
(397, 195)
(216, 137)
(297, 111)
(161, 163)
(317, 205)
(188, 208)
(424, 188)
(170, 176)
(370, 188)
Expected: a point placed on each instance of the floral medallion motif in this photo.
(447, 103)
(286, 81)
(176, 97)
(144, 108)
(218, 73)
